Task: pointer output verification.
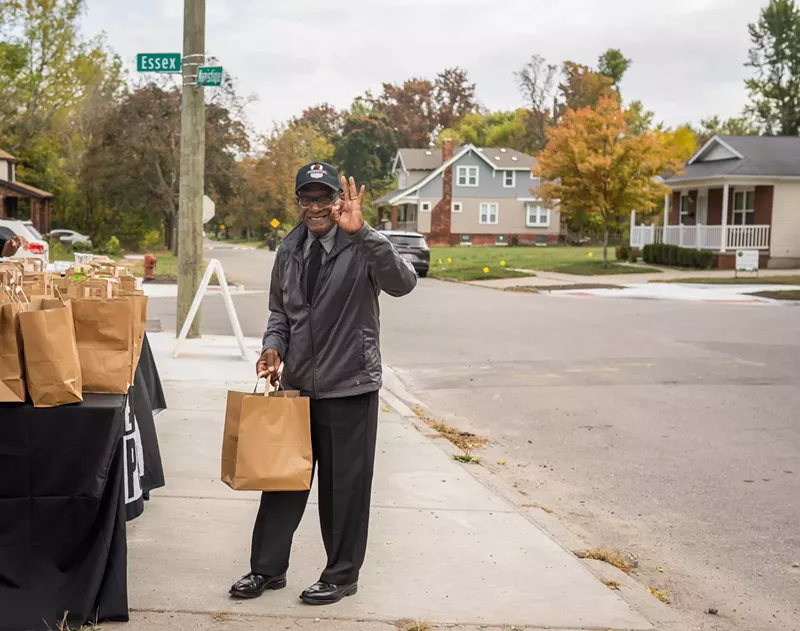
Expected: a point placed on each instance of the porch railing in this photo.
(702, 237)
(748, 237)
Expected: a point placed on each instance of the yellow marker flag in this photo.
(485, 270)
(502, 263)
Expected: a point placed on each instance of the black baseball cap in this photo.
(318, 173)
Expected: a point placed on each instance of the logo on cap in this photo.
(316, 171)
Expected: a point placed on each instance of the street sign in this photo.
(209, 76)
(747, 260)
(209, 209)
(159, 62)
(275, 223)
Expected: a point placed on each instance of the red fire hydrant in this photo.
(149, 267)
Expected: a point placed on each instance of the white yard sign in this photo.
(746, 260)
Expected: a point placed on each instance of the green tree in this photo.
(735, 126)
(366, 148)
(614, 65)
(775, 57)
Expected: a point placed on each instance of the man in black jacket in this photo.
(324, 327)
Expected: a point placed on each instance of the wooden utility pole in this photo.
(193, 144)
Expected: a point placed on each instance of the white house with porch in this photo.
(756, 179)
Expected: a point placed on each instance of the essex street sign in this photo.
(159, 62)
(209, 76)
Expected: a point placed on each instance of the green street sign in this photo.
(159, 62)
(209, 76)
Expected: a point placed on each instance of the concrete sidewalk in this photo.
(443, 547)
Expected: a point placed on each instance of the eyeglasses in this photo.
(322, 202)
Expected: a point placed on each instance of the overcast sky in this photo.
(688, 55)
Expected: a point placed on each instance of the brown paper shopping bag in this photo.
(12, 368)
(104, 335)
(267, 442)
(52, 365)
(139, 311)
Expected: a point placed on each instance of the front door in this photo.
(702, 211)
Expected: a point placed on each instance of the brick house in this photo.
(12, 190)
(756, 179)
(473, 196)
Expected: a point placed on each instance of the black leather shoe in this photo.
(253, 585)
(327, 594)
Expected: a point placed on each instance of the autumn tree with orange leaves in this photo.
(593, 164)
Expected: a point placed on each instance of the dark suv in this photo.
(412, 246)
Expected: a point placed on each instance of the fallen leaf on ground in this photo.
(661, 594)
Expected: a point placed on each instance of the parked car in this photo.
(70, 237)
(38, 248)
(413, 247)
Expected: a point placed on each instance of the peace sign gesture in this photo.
(347, 211)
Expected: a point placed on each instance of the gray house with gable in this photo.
(470, 195)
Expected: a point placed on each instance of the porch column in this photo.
(394, 217)
(725, 199)
(667, 197)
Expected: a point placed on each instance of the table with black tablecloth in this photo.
(70, 478)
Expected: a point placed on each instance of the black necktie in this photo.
(312, 269)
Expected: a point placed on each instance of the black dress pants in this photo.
(343, 435)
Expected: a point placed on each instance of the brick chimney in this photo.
(440, 215)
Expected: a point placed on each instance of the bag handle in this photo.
(277, 386)
(18, 289)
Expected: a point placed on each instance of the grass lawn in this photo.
(166, 266)
(786, 294)
(750, 280)
(469, 263)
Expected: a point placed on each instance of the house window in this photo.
(425, 207)
(538, 216)
(467, 176)
(744, 208)
(456, 207)
(684, 209)
(402, 180)
(489, 213)
(509, 179)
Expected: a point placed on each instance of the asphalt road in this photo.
(670, 430)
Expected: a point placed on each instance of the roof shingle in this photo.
(764, 156)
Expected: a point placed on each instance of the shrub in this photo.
(647, 254)
(634, 254)
(112, 247)
(673, 254)
(152, 241)
(704, 259)
(80, 246)
(622, 253)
